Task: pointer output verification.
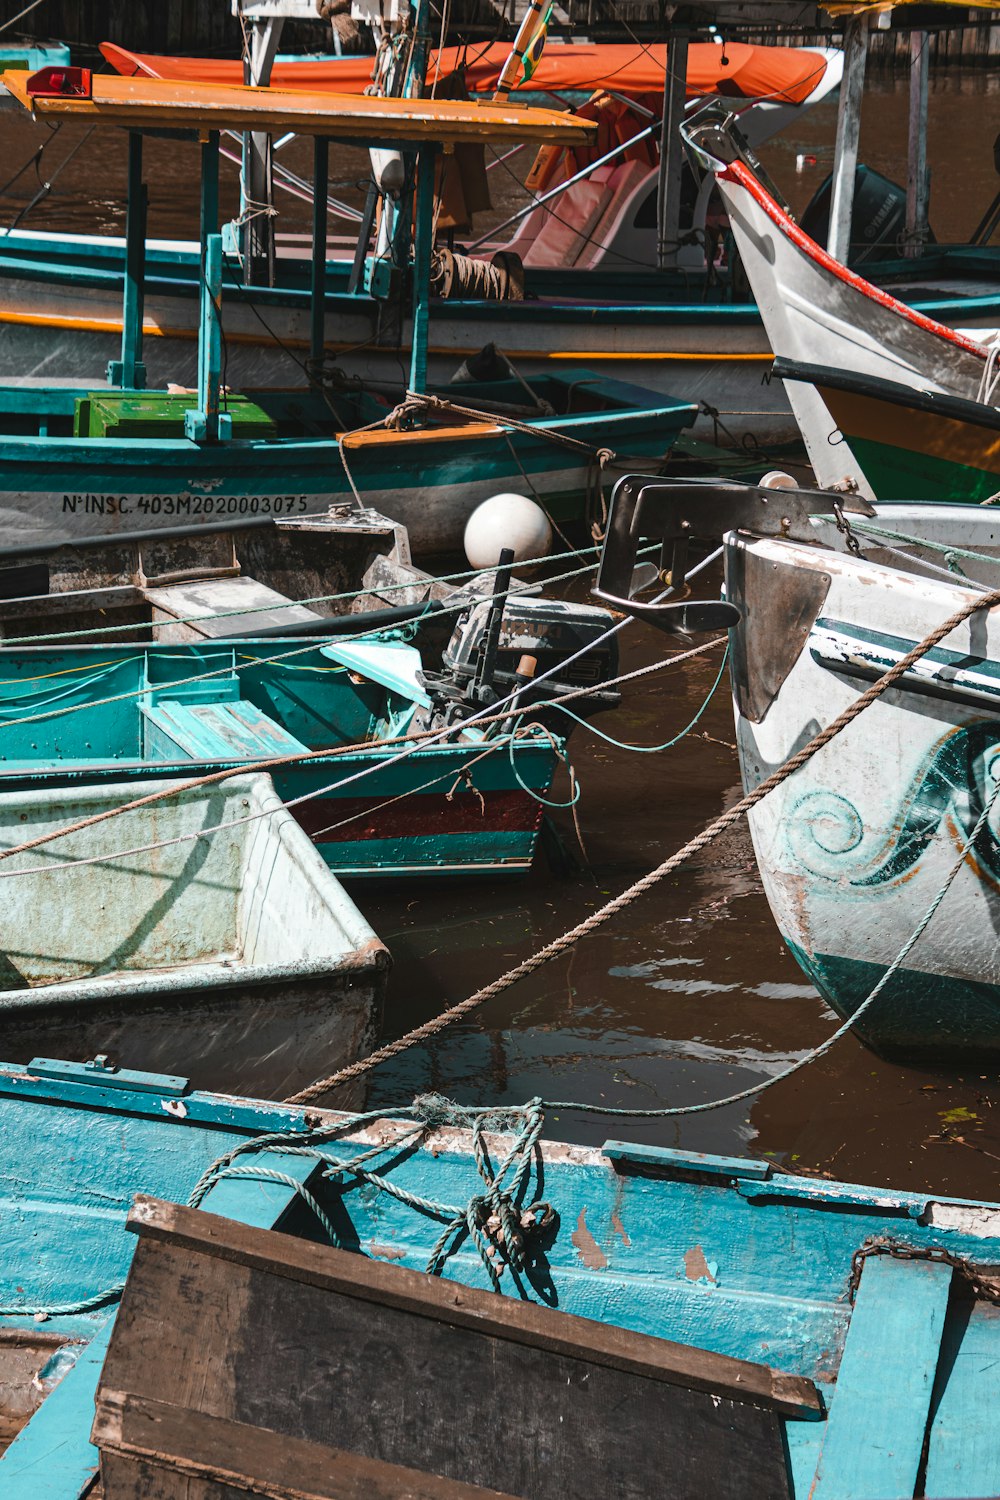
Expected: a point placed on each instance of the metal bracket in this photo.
(675, 511)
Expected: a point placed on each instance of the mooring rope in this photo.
(409, 742)
(103, 631)
(712, 831)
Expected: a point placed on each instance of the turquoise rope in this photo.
(649, 749)
(545, 801)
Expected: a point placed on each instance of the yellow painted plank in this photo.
(138, 102)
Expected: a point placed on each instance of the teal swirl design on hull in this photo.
(825, 828)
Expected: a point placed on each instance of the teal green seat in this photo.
(214, 731)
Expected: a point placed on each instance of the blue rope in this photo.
(561, 755)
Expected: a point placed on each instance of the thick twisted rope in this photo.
(711, 832)
(495, 1219)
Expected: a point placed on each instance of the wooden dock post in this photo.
(917, 179)
(845, 158)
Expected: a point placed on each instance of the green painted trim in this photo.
(918, 1014)
(898, 474)
(500, 852)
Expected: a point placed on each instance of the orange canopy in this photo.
(786, 74)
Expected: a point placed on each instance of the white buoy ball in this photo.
(506, 521)
(777, 479)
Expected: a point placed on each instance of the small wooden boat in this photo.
(909, 444)
(77, 461)
(187, 583)
(710, 1259)
(468, 802)
(855, 846)
(202, 934)
(817, 312)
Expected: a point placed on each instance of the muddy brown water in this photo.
(689, 995)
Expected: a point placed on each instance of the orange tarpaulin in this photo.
(787, 74)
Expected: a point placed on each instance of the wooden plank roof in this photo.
(158, 103)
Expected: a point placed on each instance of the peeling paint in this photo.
(385, 1252)
(619, 1228)
(586, 1246)
(697, 1268)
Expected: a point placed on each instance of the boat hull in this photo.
(213, 941)
(377, 805)
(56, 490)
(910, 445)
(854, 847)
(818, 312)
(724, 1254)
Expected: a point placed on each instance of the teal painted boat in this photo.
(466, 803)
(879, 855)
(77, 461)
(869, 1293)
(200, 934)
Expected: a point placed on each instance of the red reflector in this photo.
(57, 83)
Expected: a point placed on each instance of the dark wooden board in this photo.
(151, 1450)
(333, 1349)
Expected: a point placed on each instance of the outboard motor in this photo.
(878, 217)
(498, 645)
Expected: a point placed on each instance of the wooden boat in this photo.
(186, 583)
(77, 461)
(467, 803)
(819, 313)
(201, 934)
(798, 1279)
(854, 847)
(908, 443)
(617, 314)
(615, 310)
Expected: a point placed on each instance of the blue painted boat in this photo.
(886, 1300)
(201, 934)
(99, 714)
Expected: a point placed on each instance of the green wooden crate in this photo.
(155, 414)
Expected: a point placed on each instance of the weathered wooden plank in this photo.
(963, 1456)
(311, 1343)
(151, 1450)
(465, 1307)
(875, 1433)
(52, 1458)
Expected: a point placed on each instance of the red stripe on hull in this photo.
(416, 816)
(739, 173)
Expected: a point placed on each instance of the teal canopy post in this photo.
(129, 372)
(321, 169)
(423, 244)
(207, 423)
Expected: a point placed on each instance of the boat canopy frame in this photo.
(428, 127)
